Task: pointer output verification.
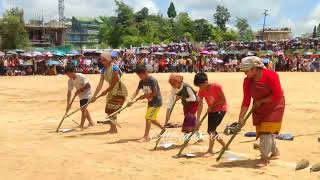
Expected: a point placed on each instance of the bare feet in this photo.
(198, 141)
(208, 154)
(91, 125)
(112, 131)
(274, 156)
(262, 163)
(144, 139)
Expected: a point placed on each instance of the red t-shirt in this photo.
(212, 95)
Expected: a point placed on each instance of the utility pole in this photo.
(61, 10)
(264, 22)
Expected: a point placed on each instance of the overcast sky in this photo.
(300, 15)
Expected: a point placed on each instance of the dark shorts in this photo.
(83, 102)
(214, 120)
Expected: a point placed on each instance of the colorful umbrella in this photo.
(27, 54)
(144, 51)
(48, 53)
(269, 52)
(51, 63)
(279, 53)
(218, 61)
(308, 53)
(214, 52)
(12, 53)
(221, 52)
(183, 54)
(59, 53)
(205, 52)
(129, 52)
(74, 52)
(19, 51)
(250, 53)
(158, 53)
(114, 54)
(36, 53)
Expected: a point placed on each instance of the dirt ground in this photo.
(31, 108)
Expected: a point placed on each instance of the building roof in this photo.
(85, 19)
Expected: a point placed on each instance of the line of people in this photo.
(261, 85)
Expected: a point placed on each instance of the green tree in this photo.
(221, 17)
(248, 35)
(216, 35)
(13, 34)
(314, 34)
(172, 11)
(17, 12)
(244, 29)
(105, 30)
(318, 30)
(123, 24)
(202, 29)
(230, 35)
(142, 15)
(182, 25)
(127, 41)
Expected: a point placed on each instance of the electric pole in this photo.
(264, 22)
(61, 10)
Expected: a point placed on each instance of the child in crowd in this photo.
(152, 93)
(82, 84)
(217, 107)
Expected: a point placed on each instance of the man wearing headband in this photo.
(263, 86)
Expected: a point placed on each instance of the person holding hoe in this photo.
(188, 96)
(217, 107)
(82, 84)
(116, 92)
(150, 87)
(264, 87)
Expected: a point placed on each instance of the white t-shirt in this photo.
(80, 81)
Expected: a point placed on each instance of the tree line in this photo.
(128, 27)
(135, 28)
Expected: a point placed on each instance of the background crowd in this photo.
(286, 55)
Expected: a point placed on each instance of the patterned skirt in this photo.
(116, 98)
(190, 118)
